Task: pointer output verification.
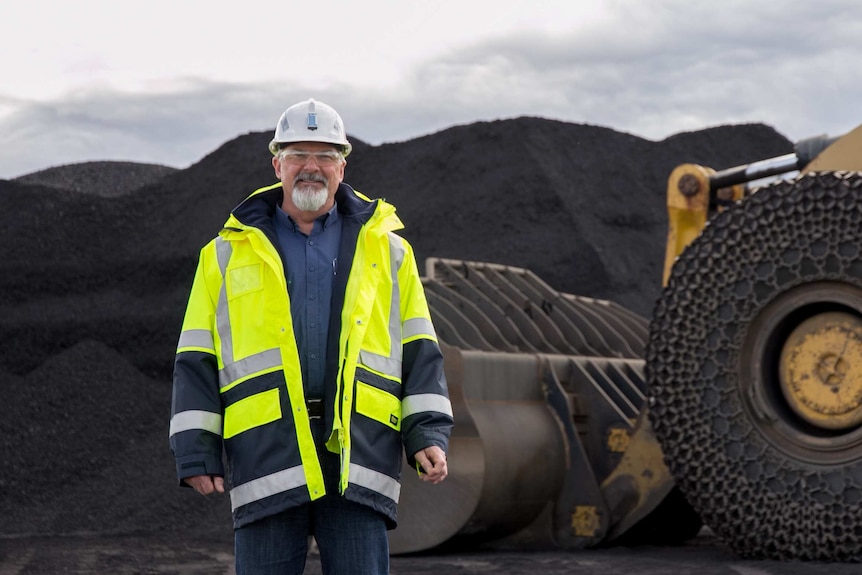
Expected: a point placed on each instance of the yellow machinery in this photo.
(754, 363)
(738, 404)
(551, 446)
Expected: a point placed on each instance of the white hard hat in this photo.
(310, 121)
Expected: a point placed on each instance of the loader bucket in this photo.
(551, 445)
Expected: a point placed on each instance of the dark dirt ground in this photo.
(96, 267)
(153, 554)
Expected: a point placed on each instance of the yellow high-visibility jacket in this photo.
(238, 387)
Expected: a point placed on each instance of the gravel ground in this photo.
(154, 554)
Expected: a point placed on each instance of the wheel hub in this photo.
(821, 370)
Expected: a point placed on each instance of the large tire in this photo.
(769, 482)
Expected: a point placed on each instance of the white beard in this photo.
(308, 199)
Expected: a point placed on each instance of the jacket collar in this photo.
(257, 210)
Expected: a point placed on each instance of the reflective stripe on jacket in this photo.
(237, 378)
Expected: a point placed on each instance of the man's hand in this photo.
(205, 484)
(432, 460)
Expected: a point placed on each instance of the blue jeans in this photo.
(351, 539)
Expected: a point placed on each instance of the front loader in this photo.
(754, 361)
(739, 404)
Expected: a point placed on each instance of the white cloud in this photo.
(168, 82)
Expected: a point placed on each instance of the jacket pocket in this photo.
(378, 405)
(253, 411)
(244, 279)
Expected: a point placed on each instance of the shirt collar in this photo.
(326, 220)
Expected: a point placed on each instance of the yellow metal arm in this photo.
(687, 209)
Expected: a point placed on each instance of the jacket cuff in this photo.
(198, 465)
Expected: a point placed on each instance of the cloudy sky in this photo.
(169, 81)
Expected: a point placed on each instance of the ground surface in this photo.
(155, 554)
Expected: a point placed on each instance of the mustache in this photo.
(309, 176)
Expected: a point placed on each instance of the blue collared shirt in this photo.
(310, 261)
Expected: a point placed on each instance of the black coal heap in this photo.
(98, 258)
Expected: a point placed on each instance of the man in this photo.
(307, 352)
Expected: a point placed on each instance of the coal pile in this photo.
(99, 178)
(98, 259)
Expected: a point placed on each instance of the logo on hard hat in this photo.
(312, 121)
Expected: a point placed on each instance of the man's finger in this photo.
(218, 483)
(422, 460)
(433, 462)
(204, 484)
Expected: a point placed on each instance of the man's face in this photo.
(310, 173)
